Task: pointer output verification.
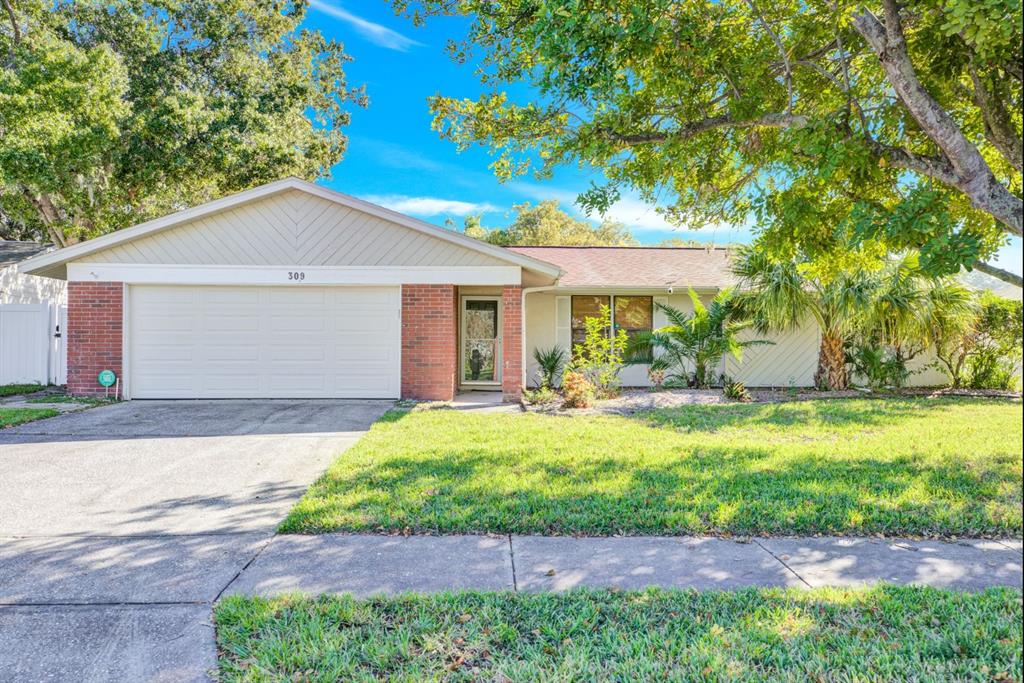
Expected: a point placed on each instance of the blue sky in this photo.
(395, 159)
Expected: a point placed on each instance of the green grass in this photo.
(15, 389)
(64, 398)
(896, 466)
(16, 416)
(877, 634)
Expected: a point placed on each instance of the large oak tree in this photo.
(898, 120)
(115, 111)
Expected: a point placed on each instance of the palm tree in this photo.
(780, 295)
(912, 311)
(700, 340)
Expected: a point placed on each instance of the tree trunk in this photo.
(831, 374)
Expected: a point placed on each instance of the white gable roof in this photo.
(53, 264)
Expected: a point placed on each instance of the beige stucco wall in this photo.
(790, 361)
(18, 288)
(293, 228)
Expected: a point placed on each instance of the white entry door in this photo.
(264, 342)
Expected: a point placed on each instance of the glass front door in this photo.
(481, 340)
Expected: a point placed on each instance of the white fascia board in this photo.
(632, 289)
(82, 249)
(297, 276)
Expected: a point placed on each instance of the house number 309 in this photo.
(297, 276)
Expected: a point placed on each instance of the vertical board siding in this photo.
(293, 228)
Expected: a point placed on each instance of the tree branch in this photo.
(690, 130)
(1004, 275)
(998, 126)
(974, 177)
(14, 20)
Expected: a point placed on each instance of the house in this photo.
(31, 314)
(292, 290)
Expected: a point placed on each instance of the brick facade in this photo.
(512, 343)
(95, 334)
(429, 342)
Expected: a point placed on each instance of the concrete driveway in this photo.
(120, 525)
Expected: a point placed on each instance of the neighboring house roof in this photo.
(12, 251)
(52, 264)
(638, 267)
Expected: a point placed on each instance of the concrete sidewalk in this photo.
(365, 564)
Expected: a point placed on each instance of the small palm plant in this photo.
(550, 362)
(695, 341)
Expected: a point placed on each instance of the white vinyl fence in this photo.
(33, 347)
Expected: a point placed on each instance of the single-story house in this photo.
(292, 290)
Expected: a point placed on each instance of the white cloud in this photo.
(430, 206)
(373, 32)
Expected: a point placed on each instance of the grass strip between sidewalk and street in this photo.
(10, 417)
(879, 633)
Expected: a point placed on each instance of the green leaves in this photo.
(730, 110)
(115, 113)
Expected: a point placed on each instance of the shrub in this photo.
(543, 394)
(657, 377)
(577, 390)
(600, 357)
(698, 341)
(983, 351)
(881, 367)
(735, 390)
(551, 361)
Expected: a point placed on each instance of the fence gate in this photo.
(27, 348)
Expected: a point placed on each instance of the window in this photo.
(584, 307)
(634, 314)
(630, 313)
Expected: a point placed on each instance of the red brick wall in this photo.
(94, 334)
(429, 349)
(512, 343)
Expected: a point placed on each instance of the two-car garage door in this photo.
(263, 342)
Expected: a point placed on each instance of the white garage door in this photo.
(264, 342)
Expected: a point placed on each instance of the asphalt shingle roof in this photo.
(12, 251)
(637, 266)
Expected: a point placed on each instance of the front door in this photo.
(481, 340)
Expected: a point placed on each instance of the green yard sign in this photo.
(106, 378)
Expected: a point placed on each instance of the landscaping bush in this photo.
(577, 391)
(735, 390)
(695, 341)
(880, 366)
(550, 362)
(599, 359)
(542, 394)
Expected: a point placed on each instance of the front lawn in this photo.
(876, 634)
(16, 416)
(895, 466)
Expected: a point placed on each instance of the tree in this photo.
(780, 295)
(982, 346)
(698, 341)
(547, 225)
(114, 112)
(901, 120)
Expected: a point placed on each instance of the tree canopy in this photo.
(545, 224)
(901, 122)
(116, 111)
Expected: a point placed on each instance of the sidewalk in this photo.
(368, 564)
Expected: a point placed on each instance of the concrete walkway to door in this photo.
(121, 525)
